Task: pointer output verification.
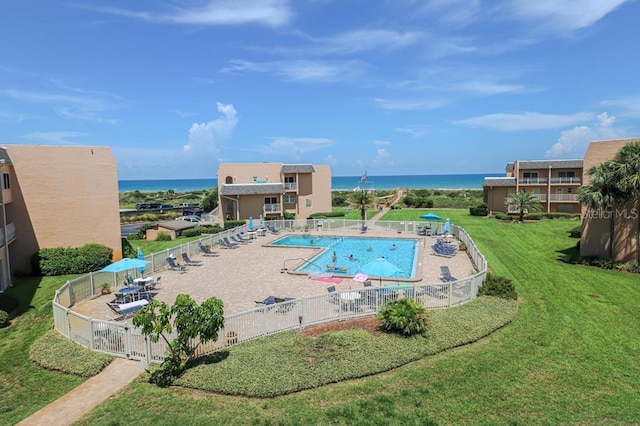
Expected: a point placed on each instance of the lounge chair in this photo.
(189, 262)
(241, 238)
(282, 307)
(224, 243)
(174, 266)
(126, 310)
(445, 274)
(367, 283)
(363, 230)
(445, 250)
(272, 229)
(238, 241)
(207, 252)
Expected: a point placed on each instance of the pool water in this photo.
(364, 250)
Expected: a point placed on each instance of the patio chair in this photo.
(363, 230)
(189, 262)
(174, 266)
(367, 283)
(239, 241)
(445, 274)
(241, 238)
(272, 229)
(225, 243)
(207, 252)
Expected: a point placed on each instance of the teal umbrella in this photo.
(380, 267)
(250, 227)
(125, 264)
(141, 257)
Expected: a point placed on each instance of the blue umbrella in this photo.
(125, 265)
(261, 222)
(447, 225)
(430, 216)
(380, 267)
(250, 224)
(141, 257)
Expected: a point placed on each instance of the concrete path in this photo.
(72, 406)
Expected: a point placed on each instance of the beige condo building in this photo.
(554, 182)
(272, 189)
(55, 196)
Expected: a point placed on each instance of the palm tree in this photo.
(362, 199)
(602, 193)
(524, 202)
(627, 175)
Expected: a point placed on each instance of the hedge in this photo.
(323, 215)
(71, 260)
(552, 215)
(481, 210)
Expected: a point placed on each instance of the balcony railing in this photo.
(564, 197)
(11, 233)
(566, 180)
(540, 197)
(533, 181)
(272, 208)
(290, 186)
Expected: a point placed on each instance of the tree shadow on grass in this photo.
(214, 358)
(23, 290)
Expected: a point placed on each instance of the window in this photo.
(289, 179)
(6, 181)
(530, 175)
(566, 174)
(558, 190)
(309, 203)
(569, 190)
(271, 200)
(289, 199)
(565, 208)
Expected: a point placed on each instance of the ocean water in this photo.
(338, 183)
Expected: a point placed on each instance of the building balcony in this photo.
(533, 181)
(540, 197)
(564, 197)
(11, 234)
(272, 208)
(566, 181)
(290, 186)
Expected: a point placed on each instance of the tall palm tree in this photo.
(524, 202)
(628, 177)
(362, 199)
(602, 193)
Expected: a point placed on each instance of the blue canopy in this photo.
(261, 222)
(380, 267)
(125, 265)
(447, 226)
(141, 257)
(430, 216)
(250, 227)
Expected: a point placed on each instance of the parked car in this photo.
(165, 206)
(187, 205)
(191, 218)
(147, 206)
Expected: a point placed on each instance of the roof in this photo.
(252, 188)
(545, 164)
(176, 225)
(4, 155)
(499, 181)
(297, 168)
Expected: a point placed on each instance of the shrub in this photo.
(480, 210)
(501, 216)
(323, 215)
(8, 302)
(163, 236)
(71, 260)
(551, 215)
(404, 316)
(495, 285)
(55, 352)
(191, 232)
(576, 232)
(4, 318)
(230, 224)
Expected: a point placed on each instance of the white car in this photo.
(191, 218)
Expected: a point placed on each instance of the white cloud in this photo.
(563, 16)
(54, 138)
(525, 121)
(302, 70)
(382, 154)
(458, 13)
(486, 88)
(208, 137)
(295, 147)
(574, 142)
(413, 131)
(629, 106)
(331, 160)
(273, 13)
(15, 117)
(382, 143)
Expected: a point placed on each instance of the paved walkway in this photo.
(72, 406)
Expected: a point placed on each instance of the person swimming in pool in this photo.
(334, 258)
(369, 248)
(393, 247)
(350, 257)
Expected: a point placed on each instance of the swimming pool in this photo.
(364, 250)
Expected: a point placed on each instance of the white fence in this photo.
(126, 341)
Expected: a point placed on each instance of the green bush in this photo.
(55, 352)
(191, 232)
(230, 224)
(576, 232)
(551, 215)
(501, 216)
(480, 210)
(4, 319)
(495, 285)
(71, 260)
(324, 215)
(404, 316)
(163, 236)
(8, 302)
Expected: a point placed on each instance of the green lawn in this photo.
(570, 357)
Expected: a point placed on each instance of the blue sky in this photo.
(393, 87)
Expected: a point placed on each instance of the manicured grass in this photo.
(148, 247)
(25, 387)
(570, 357)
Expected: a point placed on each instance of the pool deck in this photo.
(250, 273)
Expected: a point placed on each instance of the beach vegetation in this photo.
(404, 316)
(71, 260)
(210, 200)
